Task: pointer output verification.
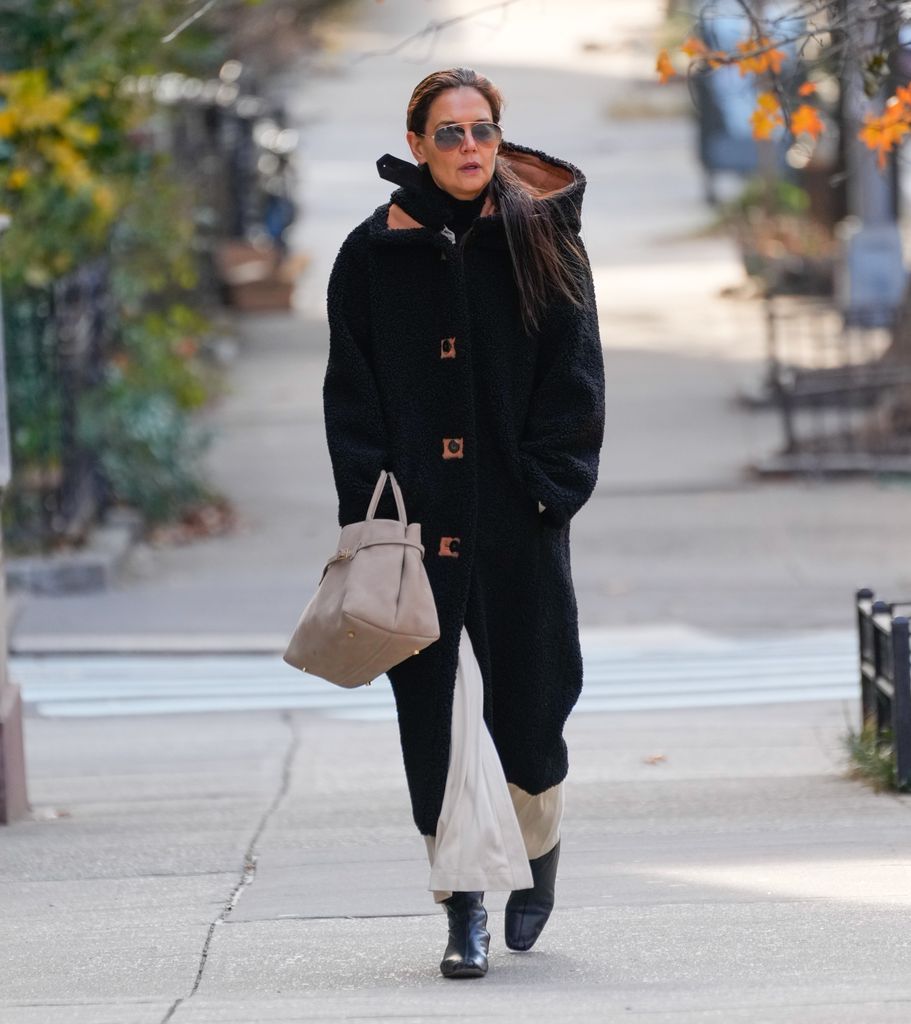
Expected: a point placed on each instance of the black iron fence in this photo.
(843, 396)
(885, 676)
(55, 342)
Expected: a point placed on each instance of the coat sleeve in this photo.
(559, 450)
(356, 431)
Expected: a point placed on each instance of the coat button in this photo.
(452, 448)
(447, 348)
(449, 546)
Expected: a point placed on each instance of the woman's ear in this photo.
(416, 145)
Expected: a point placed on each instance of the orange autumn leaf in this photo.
(763, 125)
(664, 67)
(768, 102)
(895, 110)
(807, 89)
(768, 58)
(903, 95)
(694, 47)
(806, 121)
(766, 117)
(882, 134)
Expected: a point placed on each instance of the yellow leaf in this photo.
(104, 198)
(81, 133)
(18, 177)
(7, 123)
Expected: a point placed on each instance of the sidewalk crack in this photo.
(248, 871)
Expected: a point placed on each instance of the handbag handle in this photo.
(396, 493)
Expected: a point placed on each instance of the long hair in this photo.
(547, 259)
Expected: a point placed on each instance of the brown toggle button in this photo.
(447, 348)
(448, 547)
(452, 448)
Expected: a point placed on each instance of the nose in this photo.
(468, 142)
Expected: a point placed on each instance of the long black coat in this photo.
(431, 375)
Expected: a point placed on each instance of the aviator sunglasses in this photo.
(451, 136)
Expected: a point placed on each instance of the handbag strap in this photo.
(348, 553)
(396, 493)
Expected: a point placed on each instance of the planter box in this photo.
(257, 278)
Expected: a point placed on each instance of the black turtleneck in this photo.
(464, 211)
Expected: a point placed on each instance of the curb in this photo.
(93, 567)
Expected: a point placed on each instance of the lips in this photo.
(471, 166)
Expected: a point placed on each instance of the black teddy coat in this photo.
(431, 375)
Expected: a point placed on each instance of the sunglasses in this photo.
(450, 136)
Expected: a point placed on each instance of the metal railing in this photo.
(885, 675)
(56, 339)
(840, 395)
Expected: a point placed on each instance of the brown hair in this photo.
(546, 255)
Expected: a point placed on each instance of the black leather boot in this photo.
(469, 940)
(527, 910)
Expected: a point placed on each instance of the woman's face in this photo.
(464, 171)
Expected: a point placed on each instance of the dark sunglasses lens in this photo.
(485, 134)
(451, 135)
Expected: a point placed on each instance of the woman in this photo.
(465, 358)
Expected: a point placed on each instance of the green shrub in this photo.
(147, 449)
(871, 757)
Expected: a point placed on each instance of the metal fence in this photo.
(55, 340)
(885, 676)
(843, 398)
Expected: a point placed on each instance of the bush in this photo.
(146, 448)
(871, 757)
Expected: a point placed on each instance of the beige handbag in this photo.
(373, 607)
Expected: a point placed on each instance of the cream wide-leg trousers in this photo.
(488, 829)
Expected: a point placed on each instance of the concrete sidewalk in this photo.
(264, 867)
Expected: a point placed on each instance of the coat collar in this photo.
(415, 214)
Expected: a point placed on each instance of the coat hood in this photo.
(557, 183)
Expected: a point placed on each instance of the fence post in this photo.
(901, 700)
(13, 795)
(882, 654)
(865, 656)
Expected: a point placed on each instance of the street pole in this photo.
(13, 795)
(871, 281)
